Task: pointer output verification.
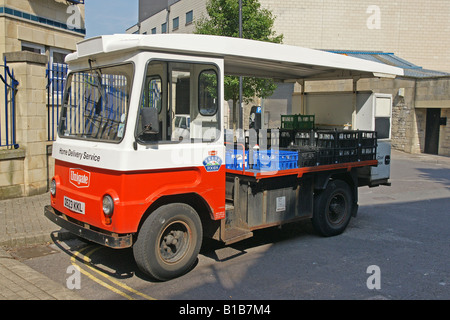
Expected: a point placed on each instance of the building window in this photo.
(154, 31)
(189, 17)
(58, 70)
(164, 28)
(58, 57)
(176, 23)
(32, 47)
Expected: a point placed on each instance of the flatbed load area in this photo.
(298, 145)
(282, 175)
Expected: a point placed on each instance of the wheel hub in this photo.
(174, 242)
(337, 209)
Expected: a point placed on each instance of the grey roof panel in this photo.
(410, 69)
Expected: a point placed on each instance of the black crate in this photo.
(286, 138)
(307, 155)
(367, 138)
(326, 139)
(325, 156)
(344, 155)
(307, 159)
(273, 137)
(367, 153)
(304, 138)
(347, 139)
(265, 139)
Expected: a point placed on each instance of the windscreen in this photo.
(96, 104)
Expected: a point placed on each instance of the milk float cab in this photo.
(128, 173)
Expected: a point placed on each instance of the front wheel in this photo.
(333, 208)
(168, 242)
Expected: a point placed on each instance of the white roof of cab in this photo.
(242, 56)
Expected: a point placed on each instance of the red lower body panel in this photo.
(133, 192)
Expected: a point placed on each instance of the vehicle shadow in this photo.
(120, 264)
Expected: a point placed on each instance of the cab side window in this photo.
(186, 97)
(208, 93)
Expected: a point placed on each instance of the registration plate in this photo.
(73, 205)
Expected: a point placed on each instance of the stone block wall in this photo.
(444, 136)
(25, 171)
(16, 30)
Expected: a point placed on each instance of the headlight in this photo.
(108, 205)
(53, 187)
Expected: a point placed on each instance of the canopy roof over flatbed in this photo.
(242, 56)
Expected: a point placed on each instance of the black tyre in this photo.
(168, 242)
(333, 208)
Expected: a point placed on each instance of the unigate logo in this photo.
(79, 178)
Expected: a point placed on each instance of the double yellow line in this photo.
(86, 262)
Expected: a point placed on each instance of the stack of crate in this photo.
(306, 146)
(324, 147)
(291, 124)
(367, 145)
(346, 146)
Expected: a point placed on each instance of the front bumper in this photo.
(108, 240)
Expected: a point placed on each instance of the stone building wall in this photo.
(52, 27)
(412, 29)
(411, 98)
(444, 141)
(25, 171)
(53, 32)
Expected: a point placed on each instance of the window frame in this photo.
(198, 93)
(54, 50)
(154, 77)
(34, 46)
(175, 26)
(213, 66)
(190, 15)
(66, 90)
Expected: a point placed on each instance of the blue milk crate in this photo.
(234, 159)
(275, 160)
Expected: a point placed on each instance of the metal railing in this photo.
(56, 80)
(8, 112)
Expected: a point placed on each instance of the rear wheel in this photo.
(333, 208)
(168, 242)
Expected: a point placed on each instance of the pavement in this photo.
(22, 224)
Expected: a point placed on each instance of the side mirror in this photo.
(149, 120)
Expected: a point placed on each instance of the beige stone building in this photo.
(50, 27)
(32, 33)
(413, 31)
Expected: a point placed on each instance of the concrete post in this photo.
(31, 119)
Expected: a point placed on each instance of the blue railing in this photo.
(56, 80)
(8, 113)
